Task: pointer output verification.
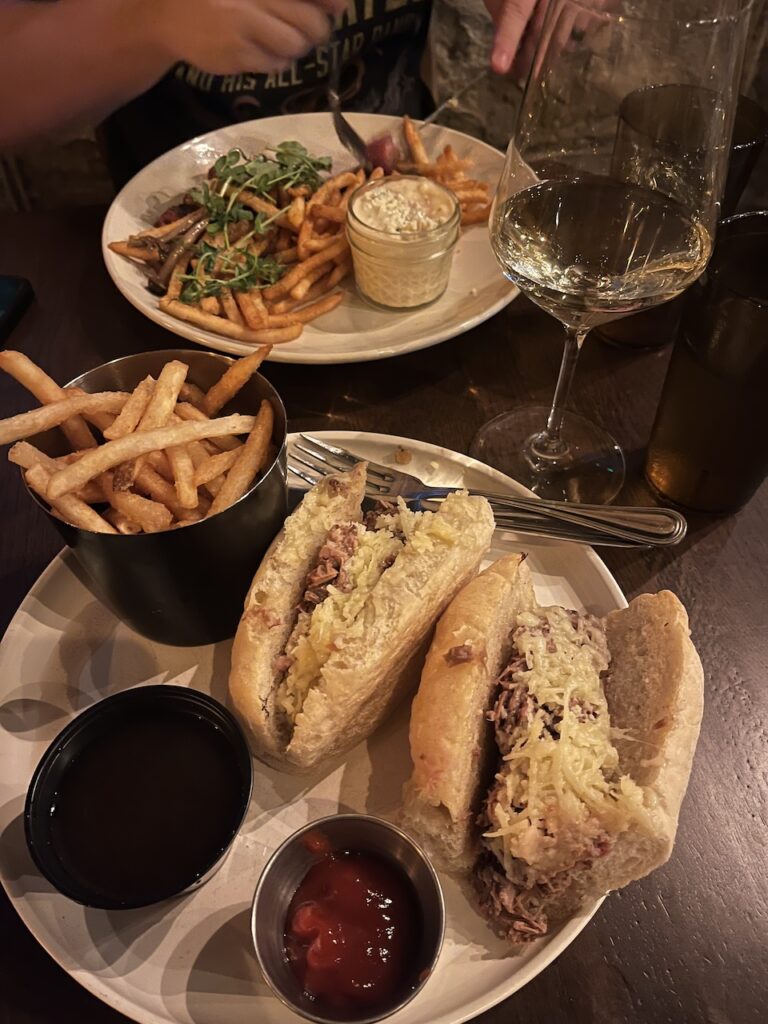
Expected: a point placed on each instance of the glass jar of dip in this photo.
(402, 232)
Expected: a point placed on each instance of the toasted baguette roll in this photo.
(449, 735)
(594, 831)
(316, 667)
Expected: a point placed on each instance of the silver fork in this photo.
(589, 524)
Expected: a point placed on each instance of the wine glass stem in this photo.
(551, 441)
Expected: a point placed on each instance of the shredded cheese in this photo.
(559, 779)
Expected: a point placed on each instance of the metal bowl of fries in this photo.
(171, 501)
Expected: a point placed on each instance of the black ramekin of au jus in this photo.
(183, 587)
(139, 798)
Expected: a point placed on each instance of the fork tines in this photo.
(344, 459)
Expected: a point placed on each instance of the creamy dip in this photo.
(402, 232)
(405, 206)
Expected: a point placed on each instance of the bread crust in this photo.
(451, 741)
(362, 681)
(269, 613)
(654, 690)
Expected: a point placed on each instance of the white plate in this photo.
(355, 331)
(190, 961)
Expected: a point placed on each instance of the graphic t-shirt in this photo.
(378, 42)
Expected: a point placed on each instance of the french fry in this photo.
(252, 308)
(214, 466)
(300, 290)
(286, 256)
(232, 380)
(230, 307)
(296, 212)
(150, 516)
(131, 413)
(159, 461)
(185, 411)
(250, 459)
(183, 474)
(26, 455)
(164, 396)
(150, 481)
(98, 460)
(295, 274)
(72, 509)
(191, 393)
(413, 141)
(210, 304)
(218, 325)
(319, 288)
(45, 390)
(34, 422)
(477, 215)
(308, 313)
(339, 272)
(332, 213)
(125, 475)
(175, 283)
(321, 242)
(256, 248)
(376, 173)
(470, 196)
(121, 522)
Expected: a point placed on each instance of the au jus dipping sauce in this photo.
(147, 805)
(352, 931)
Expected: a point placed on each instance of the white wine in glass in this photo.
(591, 238)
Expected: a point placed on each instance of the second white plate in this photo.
(355, 331)
(190, 961)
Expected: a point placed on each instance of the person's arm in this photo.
(79, 59)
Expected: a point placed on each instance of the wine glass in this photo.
(589, 236)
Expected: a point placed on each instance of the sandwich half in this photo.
(551, 749)
(340, 613)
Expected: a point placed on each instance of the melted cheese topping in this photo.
(559, 789)
(341, 617)
(319, 632)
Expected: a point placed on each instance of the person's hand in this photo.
(229, 37)
(511, 18)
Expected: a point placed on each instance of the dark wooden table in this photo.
(688, 943)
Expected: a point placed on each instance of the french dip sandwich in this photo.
(339, 616)
(551, 749)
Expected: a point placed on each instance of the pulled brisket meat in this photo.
(516, 906)
(341, 543)
(514, 912)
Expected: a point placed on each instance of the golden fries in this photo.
(106, 456)
(214, 466)
(72, 509)
(250, 459)
(164, 462)
(414, 143)
(230, 382)
(129, 416)
(45, 390)
(27, 423)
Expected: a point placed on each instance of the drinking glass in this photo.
(709, 446)
(588, 241)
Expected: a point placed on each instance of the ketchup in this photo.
(352, 932)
